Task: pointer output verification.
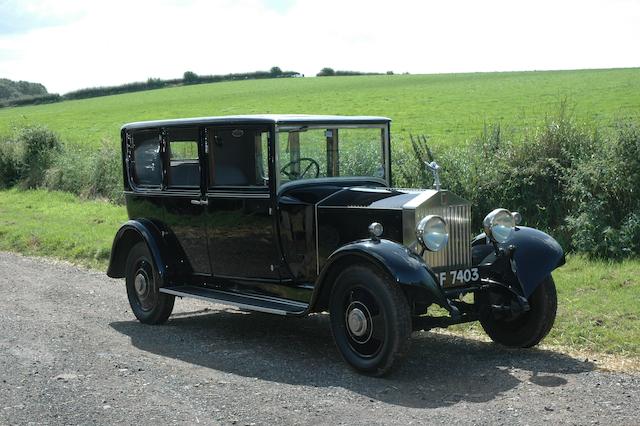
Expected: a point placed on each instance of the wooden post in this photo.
(294, 152)
(333, 155)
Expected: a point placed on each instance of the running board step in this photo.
(266, 304)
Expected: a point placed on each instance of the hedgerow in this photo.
(575, 181)
(579, 183)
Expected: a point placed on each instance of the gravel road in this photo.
(71, 352)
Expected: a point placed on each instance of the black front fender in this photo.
(535, 255)
(405, 267)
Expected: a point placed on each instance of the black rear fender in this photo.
(130, 234)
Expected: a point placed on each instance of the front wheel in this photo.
(526, 329)
(370, 319)
(147, 303)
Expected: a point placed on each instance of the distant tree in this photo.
(389, 72)
(154, 83)
(275, 71)
(18, 89)
(190, 77)
(326, 72)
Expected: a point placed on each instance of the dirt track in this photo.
(72, 353)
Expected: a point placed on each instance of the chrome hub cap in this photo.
(357, 322)
(141, 283)
(364, 322)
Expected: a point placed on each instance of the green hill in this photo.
(451, 108)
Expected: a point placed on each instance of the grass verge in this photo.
(597, 301)
(59, 225)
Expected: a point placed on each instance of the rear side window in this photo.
(184, 166)
(147, 162)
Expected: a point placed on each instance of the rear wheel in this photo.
(526, 329)
(147, 303)
(370, 319)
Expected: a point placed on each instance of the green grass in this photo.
(450, 108)
(597, 301)
(598, 306)
(59, 225)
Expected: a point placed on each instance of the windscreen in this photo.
(331, 152)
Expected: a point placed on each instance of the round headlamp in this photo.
(499, 225)
(432, 232)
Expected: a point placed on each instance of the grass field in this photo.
(597, 305)
(450, 108)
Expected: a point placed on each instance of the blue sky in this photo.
(70, 44)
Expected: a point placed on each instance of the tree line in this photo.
(35, 93)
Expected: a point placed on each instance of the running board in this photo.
(271, 305)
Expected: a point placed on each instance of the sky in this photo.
(72, 44)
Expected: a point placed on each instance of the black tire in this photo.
(527, 329)
(379, 334)
(147, 303)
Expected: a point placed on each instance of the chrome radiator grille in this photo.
(457, 253)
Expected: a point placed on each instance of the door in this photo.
(184, 201)
(240, 223)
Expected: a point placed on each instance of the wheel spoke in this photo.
(306, 170)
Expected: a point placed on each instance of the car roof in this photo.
(277, 119)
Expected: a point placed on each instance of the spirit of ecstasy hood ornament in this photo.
(434, 168)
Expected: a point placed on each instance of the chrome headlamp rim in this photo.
(432, 233)
(499, 225)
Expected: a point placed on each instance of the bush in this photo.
(97, 174)
(39, 146)
(26, 156)
(604, 192)
(9, 164)
(34, 157)
(106, 173)
(564, 177)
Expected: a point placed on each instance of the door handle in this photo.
(200, 202)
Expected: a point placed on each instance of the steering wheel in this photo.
(291, 174)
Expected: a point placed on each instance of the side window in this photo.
(184, 166)
(238, 156)
(147, 162)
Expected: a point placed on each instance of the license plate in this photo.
(456, 277)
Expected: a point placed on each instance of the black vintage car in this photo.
(296, 214)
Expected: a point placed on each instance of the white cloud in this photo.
(121, 41)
